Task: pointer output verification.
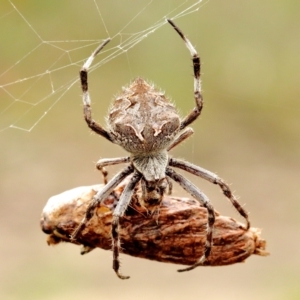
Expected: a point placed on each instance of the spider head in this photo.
(153, 192)
(154, 183)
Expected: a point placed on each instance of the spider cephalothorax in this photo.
(146, 124)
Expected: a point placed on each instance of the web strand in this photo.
(18, 92)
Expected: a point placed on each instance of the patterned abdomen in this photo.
(143, 119)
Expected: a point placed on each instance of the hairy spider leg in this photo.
(119, 211)
(102, 194)
(86, 96)
(210, 176)
(195, 113)
(102, 163)
(203, 199)
(181, 137)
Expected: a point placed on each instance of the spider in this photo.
(147, 125)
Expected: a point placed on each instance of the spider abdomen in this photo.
(142, 119)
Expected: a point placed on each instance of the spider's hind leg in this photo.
(86, 96)
(195, 113)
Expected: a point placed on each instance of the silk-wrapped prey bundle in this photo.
(176, 233)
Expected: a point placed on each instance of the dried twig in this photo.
(176, 234)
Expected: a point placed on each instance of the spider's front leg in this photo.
(195, 113)
(117, 214)
(102, 194)
(210, 176)
(202, 198)
(86, 96)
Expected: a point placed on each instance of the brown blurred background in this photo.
(248, 133)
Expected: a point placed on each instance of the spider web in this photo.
(53, 57)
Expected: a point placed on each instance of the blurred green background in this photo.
(248, 133)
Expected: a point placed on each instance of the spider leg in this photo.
(86, 96)
(195, 113)
(202, 198)
(210, 176)
(170, 185)
(102, 163)
(102, 194)
(181, 137)
(119, 211)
